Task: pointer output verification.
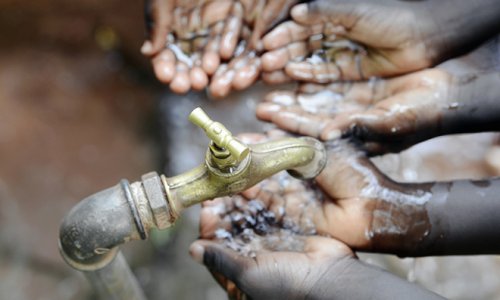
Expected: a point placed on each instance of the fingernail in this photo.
(197, 251)
(333, 135)
(298, 70)
(147, 47)
(269, 107)
(299, 11)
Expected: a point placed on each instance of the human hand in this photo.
(249, 240)
(265, 244)
(204, 33)
(385, 115)
(245, 67)
(351, 200)
(337, 40)
(276, 274)
(188, 39)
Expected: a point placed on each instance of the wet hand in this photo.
(188, 39)
(351, 200)
(275, 274)
(329, 41)
(385, 115)
(244, 68)
(210, 43)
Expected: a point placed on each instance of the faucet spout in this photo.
(302, 157)
(91, 233)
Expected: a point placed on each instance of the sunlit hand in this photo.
(333, 40)
(386, 115)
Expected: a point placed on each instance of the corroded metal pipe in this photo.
(92, 231)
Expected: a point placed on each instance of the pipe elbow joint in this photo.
(91, 232)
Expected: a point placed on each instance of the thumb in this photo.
(159, 15)
(340, 12)
(219, 259)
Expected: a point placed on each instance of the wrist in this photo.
(400, 221)
(350, 278)
(455, 27)
(464, 217)
(472, 104)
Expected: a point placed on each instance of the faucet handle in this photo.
(219, 134)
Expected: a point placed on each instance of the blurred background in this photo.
(80, 109)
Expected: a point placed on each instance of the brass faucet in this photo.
(92, 231)
(231, 167)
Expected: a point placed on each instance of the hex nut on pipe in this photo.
(157, 199)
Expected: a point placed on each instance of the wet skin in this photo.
(360, 207)
(392, 114)
(321, 266)
(325, 269)
(219, 38)
(360, 39)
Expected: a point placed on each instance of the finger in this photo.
(162, 13)
(181, 82)
(164, 66)
(214, 11)
(210, 221)
(247, 72)
(220, 259)
(326, 248)
(313, 72)
(277, 59)
(338, 12)
(231, 32)
(275, 77)
(198, 78)
(231, 289)
(273, 13)
(270, 193)
(211, 58)
(386, 121)
(221, 83)
(252, 138)
(289, 32)
(293, 119)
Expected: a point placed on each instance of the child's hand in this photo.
(385, 115)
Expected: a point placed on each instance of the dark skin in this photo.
(393, 114)
(359, 39)
(365, 210)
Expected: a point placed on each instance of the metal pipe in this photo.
(92, 231)
(302, 157)
(115, 281)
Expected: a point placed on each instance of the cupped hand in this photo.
(188, 39)
(333, 40)
(212, 43)
(350, 200)
(275, 274)
(386, 115)
(244, 68)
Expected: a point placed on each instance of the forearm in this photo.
(352, 279)
(461, 25)
(464, 218)
(473, 104)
